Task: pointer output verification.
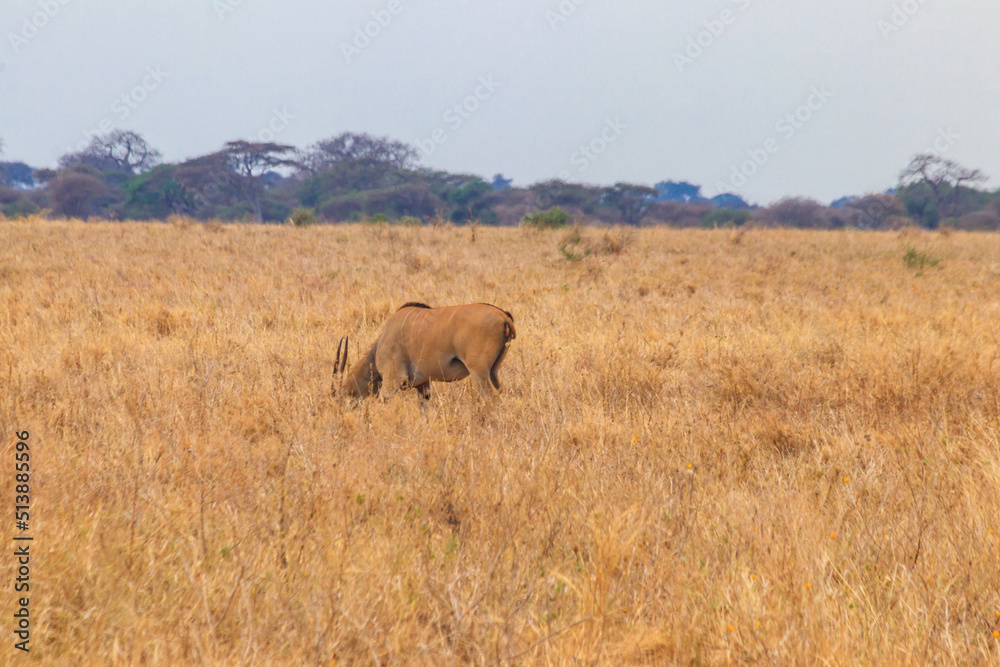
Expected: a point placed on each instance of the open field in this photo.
(777, 446)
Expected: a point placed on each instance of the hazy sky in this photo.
(596, 92)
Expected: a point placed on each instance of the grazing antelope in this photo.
(420, 345)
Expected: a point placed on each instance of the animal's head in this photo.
(363, 380)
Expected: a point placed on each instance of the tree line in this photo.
(352, 177)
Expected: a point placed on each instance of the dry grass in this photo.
(778, 450)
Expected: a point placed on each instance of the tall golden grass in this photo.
(712, 447)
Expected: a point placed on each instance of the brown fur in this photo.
(480, 304)
(420, 345)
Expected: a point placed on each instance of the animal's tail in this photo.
(509, 333)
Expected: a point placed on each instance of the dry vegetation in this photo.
(776, 447)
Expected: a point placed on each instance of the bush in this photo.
(916, 259)
(409, 221)
(552, 218)
(339, 210)
(679, 214)
(303, 217)
(726, 217)
(274, 210)
(800, 212)
(878, 211)
(573, 248)
(79, 194)
(20, 208)
(8, 195)
(985, 220)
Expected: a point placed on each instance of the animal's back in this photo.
(466, 328)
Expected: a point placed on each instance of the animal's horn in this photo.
(336, 364)
(347, 342)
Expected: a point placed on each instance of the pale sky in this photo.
(595, 92)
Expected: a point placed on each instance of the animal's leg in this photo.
(425, 394)
(496, 366)
(484, 363)
(486, 388)
(393, 379)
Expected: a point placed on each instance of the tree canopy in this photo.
(117, 151)
(352, 176)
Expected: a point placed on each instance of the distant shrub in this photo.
(800, 212)
(8, 195)
(985, 220)
(876, 211)
(679, 214)
(726, 217)
(409, 221)
(19, 208)
(916, 259)
(378, 217)
(552, 218)
(303, 217)
(573, 248)
(341, 209)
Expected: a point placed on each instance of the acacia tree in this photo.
(556, 192)
(117, 151)
(876, 211)
(363, 148)
(943, 177)
(209, 180)
(250, 161)
(632, 201)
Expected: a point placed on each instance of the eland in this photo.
(420, 345)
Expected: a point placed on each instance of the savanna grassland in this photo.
(712, 447)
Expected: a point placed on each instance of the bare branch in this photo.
(119, 150)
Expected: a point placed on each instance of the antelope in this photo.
(420, 345)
